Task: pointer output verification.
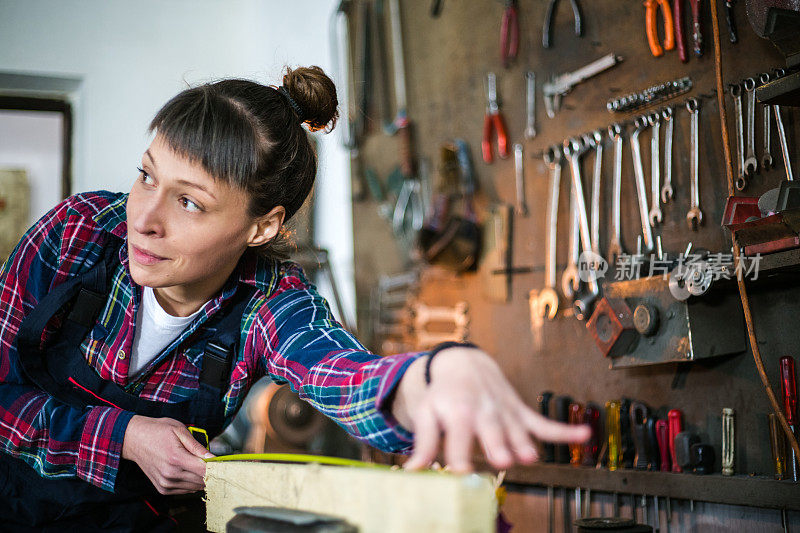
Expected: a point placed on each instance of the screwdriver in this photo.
(675, 426)
(613, 431)
(789, 390)
(627, 451)
(575, 449)
(778, 446)
(544, 410)
(562, 404)
(638, 418)
(591, 417)
(663, 444)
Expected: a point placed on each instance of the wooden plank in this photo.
(373, 499)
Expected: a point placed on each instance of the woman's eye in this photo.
(190, 205)
(144, 176)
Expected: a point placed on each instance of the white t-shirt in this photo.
(155, 330)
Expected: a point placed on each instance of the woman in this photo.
(127, 319)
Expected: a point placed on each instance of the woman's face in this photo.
(186, 230)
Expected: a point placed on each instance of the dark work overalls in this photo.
(30, 502)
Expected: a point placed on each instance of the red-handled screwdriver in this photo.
(789, 390)
(663, 444)
(675, 426)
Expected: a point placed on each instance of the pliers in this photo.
(651, 11)
(548, 21)
(509, 33)
(493, 120)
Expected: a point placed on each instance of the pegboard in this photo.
(447, 59)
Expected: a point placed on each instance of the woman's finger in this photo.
(492, 436)
(426, 439)
(458, 439)
(519, 439)
(545, 429)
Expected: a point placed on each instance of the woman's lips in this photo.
(145, 258)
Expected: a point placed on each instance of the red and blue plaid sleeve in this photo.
(55, 439)
(301, 343)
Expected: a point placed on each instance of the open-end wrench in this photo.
(519, 170)
(695, 216)
(736, 93)
(766, 158)
(530, 104)
(597, 142)
(573, 149)
(615, 242)
(546, 304)
(750, 161)
(641, 190)
(654, 119)
(666, 190)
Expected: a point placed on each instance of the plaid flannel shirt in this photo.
(288, 332)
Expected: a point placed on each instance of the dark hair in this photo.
(250, 136)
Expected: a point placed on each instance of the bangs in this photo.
(212, 130)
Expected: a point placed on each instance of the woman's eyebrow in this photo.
(196, 186)
(153, 159)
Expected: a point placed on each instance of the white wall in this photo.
(130, 57)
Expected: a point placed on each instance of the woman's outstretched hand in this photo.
(469, 398)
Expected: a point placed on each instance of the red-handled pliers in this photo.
(509, 33)
(493, 121)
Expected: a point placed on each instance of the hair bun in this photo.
(315, 93)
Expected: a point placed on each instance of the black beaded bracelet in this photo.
(438, 348)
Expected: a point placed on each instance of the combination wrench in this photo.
(530, 105)
(766, 158)
(641, 191)
(597, 142)
(695, 216)
(751, 162)
(655, 164)
(615, 242)
(736, 93)
(570, 282)
(666, 190)
(546, 302)
(519, 170)
(573, 149)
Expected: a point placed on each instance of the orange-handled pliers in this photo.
(493, 120)
(652, 31)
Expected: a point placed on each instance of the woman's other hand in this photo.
(167, 453)
(470, 398)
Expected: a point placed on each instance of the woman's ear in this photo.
(267, 227)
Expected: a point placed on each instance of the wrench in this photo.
(766, 158)
(522, 206)
(695, 216)
(573, 149)
(615, 244)
(546, 304)
(655, 160)
(530, 101)
(736, 93)
(647, 231)
(597, 142)
(750, 162)
(784, 146)
(570, 282)
(666, 191)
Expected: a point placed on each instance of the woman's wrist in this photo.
(438, 348)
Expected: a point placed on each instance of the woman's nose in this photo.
(149, 219)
